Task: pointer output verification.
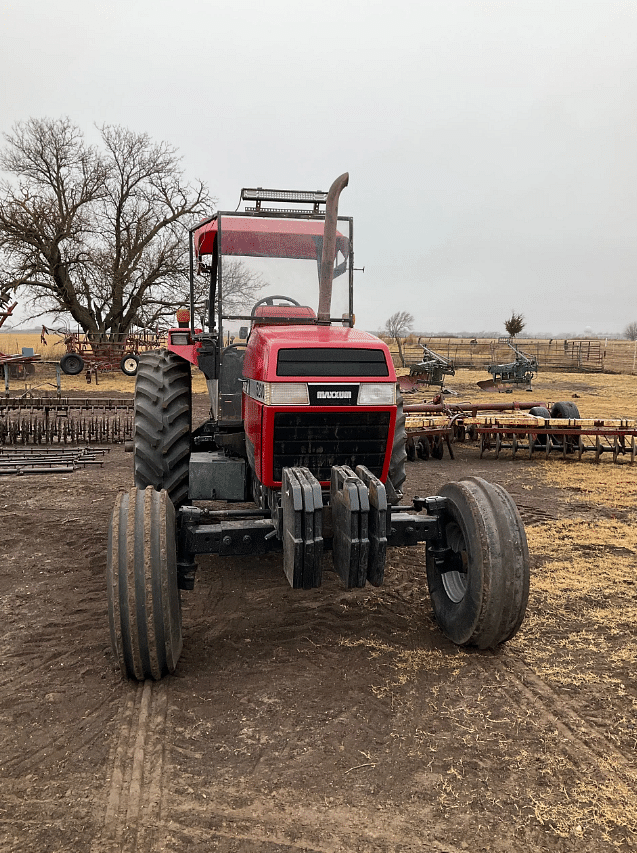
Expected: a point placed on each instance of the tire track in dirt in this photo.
(582, 739)
(135, 780)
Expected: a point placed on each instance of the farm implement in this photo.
(84, 352)
(559, 436)
(20, 365)
(23, 461)
(518, 372)
(64, 420)
(430, 370)
(530, 428)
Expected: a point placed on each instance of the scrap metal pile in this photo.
(31, 460)
(65, 420)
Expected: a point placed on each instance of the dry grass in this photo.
(577, 781)
(597, 395)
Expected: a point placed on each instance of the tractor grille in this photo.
(323, 361)
(318, 440)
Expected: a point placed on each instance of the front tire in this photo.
(479, 587)
(397, 474)
(163, 424)
(141, 577)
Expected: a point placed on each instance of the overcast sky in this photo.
(491, 146)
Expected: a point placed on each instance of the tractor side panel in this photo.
(253, 424)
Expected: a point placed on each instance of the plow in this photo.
(64, 420)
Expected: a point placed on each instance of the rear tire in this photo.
(480, 587)
(163, 424)
(141, 577)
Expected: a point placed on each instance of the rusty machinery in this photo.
(518, 372)
(432, 368)
(518, 427)
(65, 420)
(20, 365)
(36, 460)
(84, 352)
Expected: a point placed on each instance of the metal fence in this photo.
(568, 354)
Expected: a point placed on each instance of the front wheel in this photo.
(479, 585)
(144, 610)
(397, 473)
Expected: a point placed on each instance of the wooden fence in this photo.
(573, 355)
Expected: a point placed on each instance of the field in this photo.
(330, 721)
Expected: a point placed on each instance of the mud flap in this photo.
(349, 500)
(302, 509)
(377, 525)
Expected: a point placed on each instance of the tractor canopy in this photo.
(270, 256)
(266, 238)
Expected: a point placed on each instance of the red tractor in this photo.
(306, 440)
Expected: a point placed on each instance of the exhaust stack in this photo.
(329, 248)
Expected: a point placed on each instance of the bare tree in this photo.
(397, 327)
(97, 234)
(630, 332)
(241, 286)
(514, 324)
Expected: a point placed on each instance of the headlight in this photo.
(289, 394)
(377, 394)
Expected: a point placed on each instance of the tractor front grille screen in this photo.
(318, 440)
(324, 361)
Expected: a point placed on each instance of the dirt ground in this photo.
(324, 721)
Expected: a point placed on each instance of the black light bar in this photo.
(259, 194)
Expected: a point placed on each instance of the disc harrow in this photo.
(518, 432)
(559, 436)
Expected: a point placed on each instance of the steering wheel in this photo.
(269, 300)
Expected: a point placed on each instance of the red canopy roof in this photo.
(266, 238)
